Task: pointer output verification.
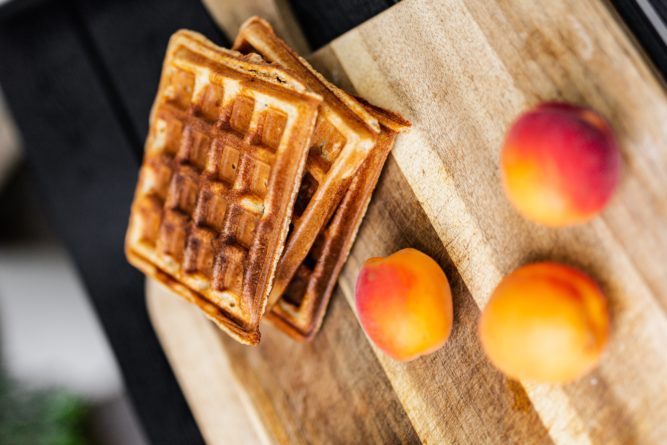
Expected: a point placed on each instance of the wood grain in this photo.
(354, 401)
(220, 405)
(466, 400)
(461, 107)
(462, 71)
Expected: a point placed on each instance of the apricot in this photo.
(560, 164)
(546, 323)
(404, 304)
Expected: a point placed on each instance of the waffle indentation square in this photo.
(241, 224)
(150, 211)
(211, 206)
(228, 269)
(182, 194)
(173, 233)
(224, 162)
(194, 148)
(255, 174)
(209, 102)
(167, 137)
(274, 126)
(179, 91)
(296, 290)
(206, 195)
(316, 163)
(156, 176)
(308, 188)
(200, 252)
(327, 141)
(242, 111)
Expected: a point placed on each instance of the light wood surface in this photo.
(462, 71)
(219, 404)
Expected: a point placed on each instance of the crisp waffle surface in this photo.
(302, 307)
(227, 145)
(335, 191)
(344, 135)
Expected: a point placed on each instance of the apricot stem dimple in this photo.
(594, 119)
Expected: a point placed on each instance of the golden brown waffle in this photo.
(226, 150)
(344, 134)
(302, 307)
(319, 243)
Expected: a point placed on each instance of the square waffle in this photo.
(344, 164)
(228, 141)
(344, 135)
(301, 309)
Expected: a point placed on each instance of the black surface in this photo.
(80, 77)
(660, 7)
(324, 20)
(635, 19)
(130, 38)
(22, 219)
(85, 163)
(12, 8)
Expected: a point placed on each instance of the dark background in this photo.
(79, 77)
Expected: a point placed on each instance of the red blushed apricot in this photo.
(560, 164)
(404, 304)
(545, 322)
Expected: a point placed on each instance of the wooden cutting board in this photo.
(461, 71)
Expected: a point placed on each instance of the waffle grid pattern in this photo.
(204, 185)
(326, 145)
(344, 134)
(207, 193)
(348, 149)
(301, 309)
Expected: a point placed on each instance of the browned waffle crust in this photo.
(302, 307)
(333, 203)
(225, 153)
(344, 134)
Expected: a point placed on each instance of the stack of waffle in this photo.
(256, 176)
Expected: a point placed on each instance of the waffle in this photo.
(344, 134)
(228, 141)
(300, 311)
(322, 237)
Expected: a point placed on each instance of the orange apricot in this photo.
(545, 322)
(404, 304)
(560, 164)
